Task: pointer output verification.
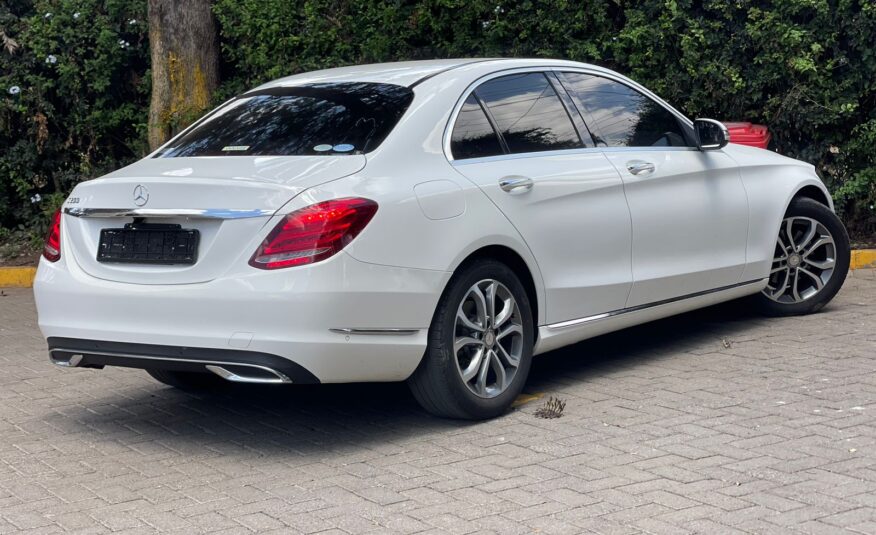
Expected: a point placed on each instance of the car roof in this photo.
(408, 73)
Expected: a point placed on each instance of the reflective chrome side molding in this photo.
(389, 332)
(588, 319)
(207, 213)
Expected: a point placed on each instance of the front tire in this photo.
(810, 262)
(480, 345)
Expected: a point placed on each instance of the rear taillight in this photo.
(52, 249)
(314, 233)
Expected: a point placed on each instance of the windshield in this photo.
(316, 119)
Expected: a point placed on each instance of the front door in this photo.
(689, 208)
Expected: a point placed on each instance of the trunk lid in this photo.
(227, 199)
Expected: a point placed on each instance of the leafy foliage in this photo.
(806, 68)
(73, 98)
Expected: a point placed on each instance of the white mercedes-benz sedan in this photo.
(438, 222)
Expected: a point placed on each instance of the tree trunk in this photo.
(185, 65)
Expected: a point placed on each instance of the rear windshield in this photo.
(316, 119)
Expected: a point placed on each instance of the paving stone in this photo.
(665, 430)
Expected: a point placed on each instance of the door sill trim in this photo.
(637, 308)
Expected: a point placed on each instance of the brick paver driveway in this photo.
(667, 429)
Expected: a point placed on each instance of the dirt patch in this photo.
(31, 258)
(17, 250)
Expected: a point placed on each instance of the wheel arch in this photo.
(772, 183)
(518, 265)
(811, 191)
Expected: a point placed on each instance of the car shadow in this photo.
(314, 419)
(715, 325)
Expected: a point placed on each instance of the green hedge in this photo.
(806, 68)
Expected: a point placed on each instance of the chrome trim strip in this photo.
(592, 70)
(579, 321)
(388, 332)
(74, 362)
(208, 213)
(568, 152)
(235, 378)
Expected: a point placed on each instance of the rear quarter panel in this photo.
(402, 235)
(430, 216)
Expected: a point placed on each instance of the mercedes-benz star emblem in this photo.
(141, 195)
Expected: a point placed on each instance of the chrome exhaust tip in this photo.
(248, 373)
(267, 369)
(66, 360)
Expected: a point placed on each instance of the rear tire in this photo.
(188, 381)
(480, 345)
(810, 262)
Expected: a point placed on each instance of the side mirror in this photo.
(711, 134)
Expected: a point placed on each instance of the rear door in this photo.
(689, 208)
(517, 140)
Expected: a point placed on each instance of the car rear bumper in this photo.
(338, 321)
(232, 364)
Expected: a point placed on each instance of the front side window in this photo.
(621, 116)
(315, 119)
(528, 113)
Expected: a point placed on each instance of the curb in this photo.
(863, 258)
(17, 277)
(22, 277)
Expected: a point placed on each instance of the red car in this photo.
(753, 135)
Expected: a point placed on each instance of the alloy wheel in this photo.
(488, 338)
(803, 262)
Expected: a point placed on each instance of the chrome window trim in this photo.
(564, 152)
(448, 128)
(165, 213)
(631, 84)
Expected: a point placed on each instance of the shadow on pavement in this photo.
(643, 343)
(314, 419)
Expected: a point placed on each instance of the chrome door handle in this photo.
(515, 185)
(640, 167)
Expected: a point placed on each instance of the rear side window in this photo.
(473, 136)
(620, 116)
(316, 119)
(528, 113)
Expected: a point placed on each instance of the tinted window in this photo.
(327, 119)
(623, 117)
(473, 136)
(528, 113)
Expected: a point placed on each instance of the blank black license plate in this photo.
(148, 244)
